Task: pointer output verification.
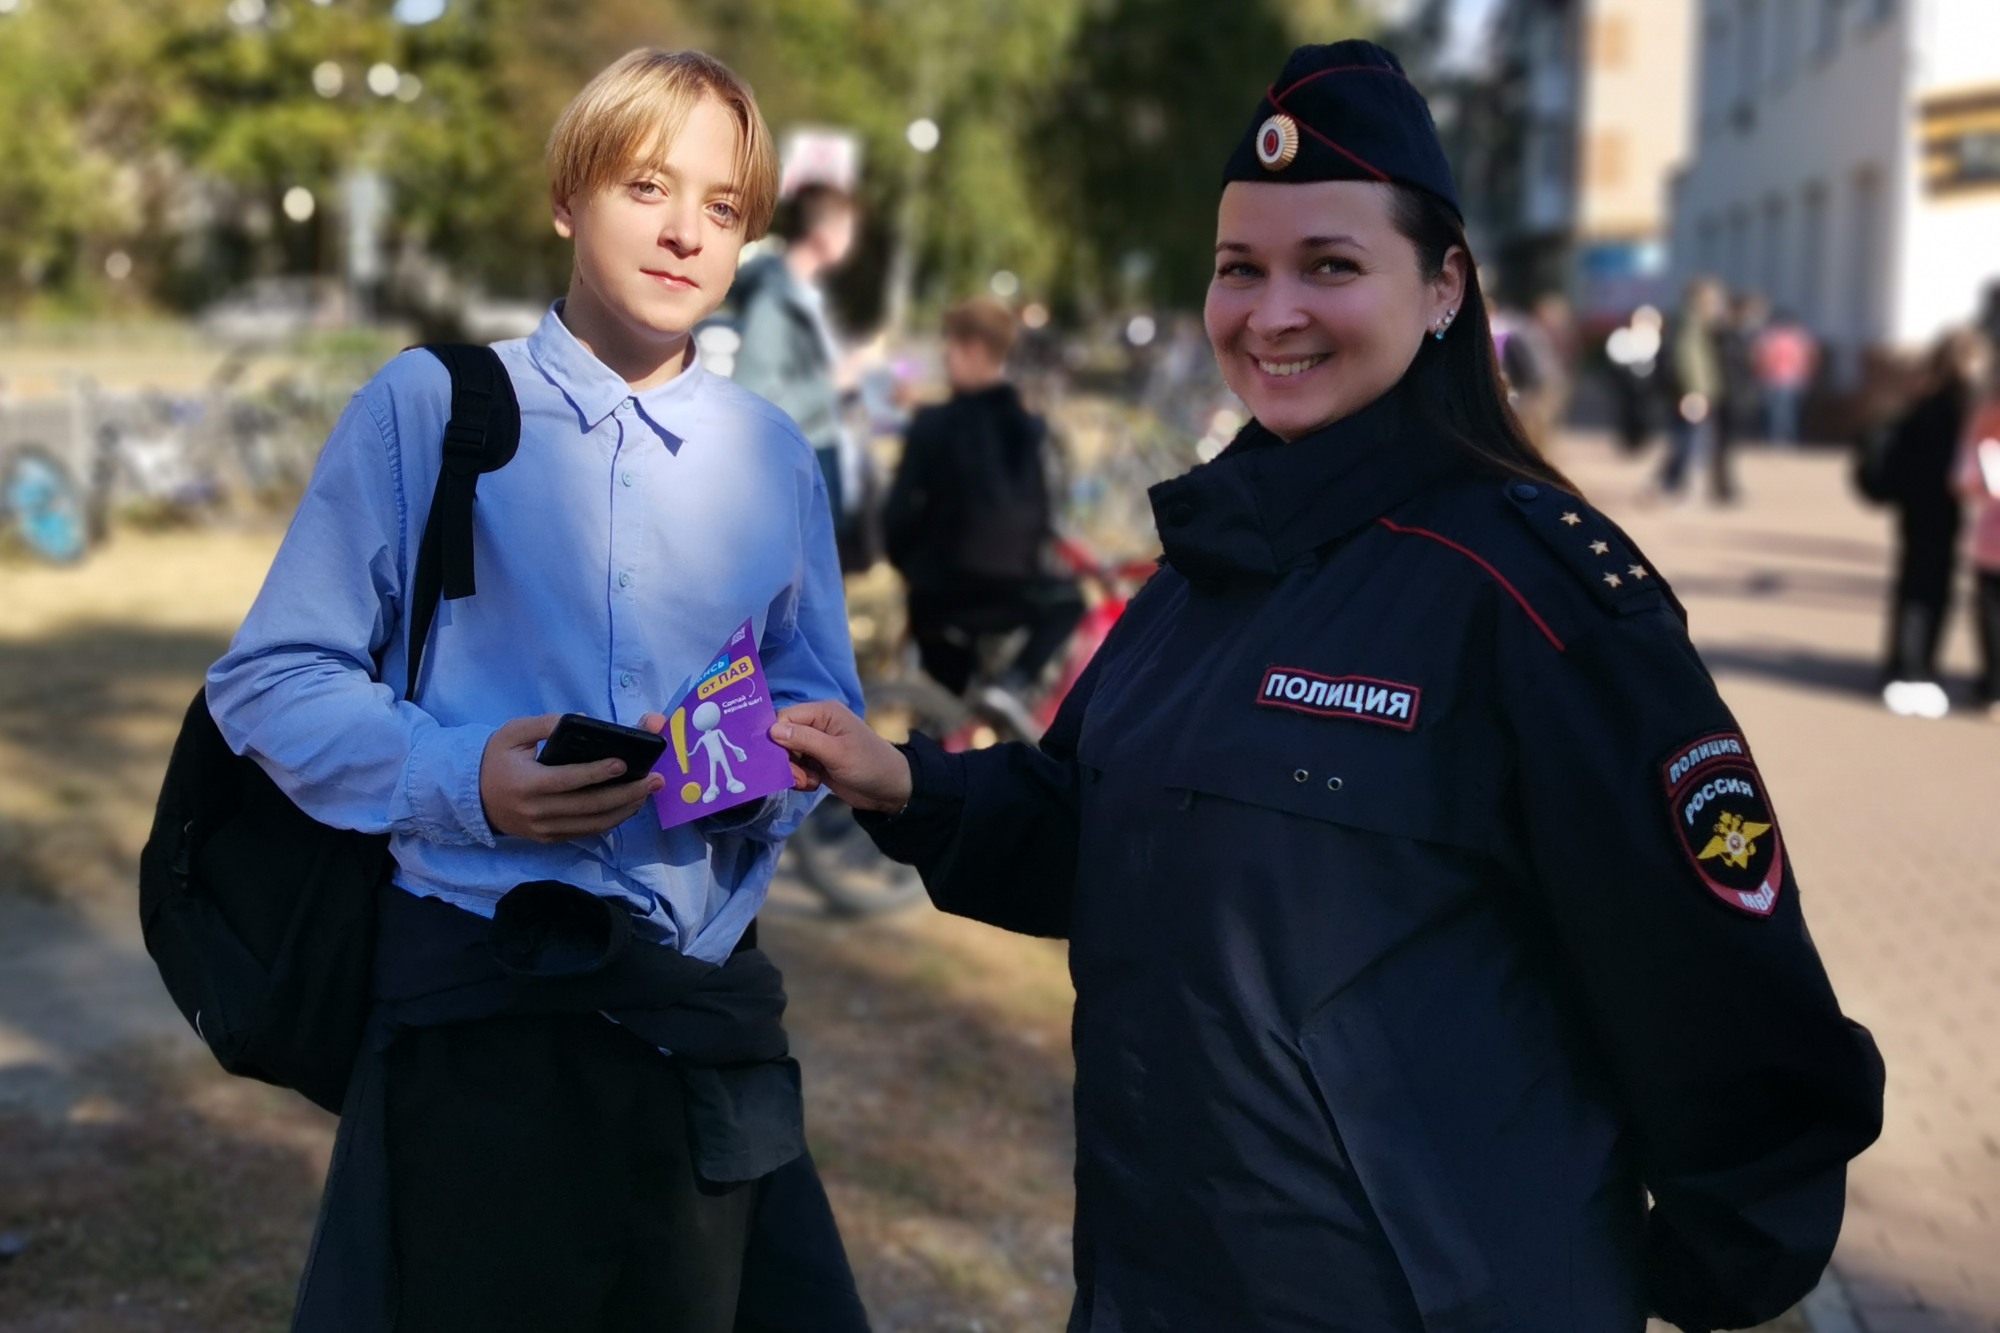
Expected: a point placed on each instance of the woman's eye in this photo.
(1236, 270)
(1335, 265)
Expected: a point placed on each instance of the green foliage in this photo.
(1076, 133)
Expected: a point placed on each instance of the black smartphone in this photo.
(585, 740)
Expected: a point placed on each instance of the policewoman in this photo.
(1438, 953)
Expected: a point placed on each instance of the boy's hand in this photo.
(526, 799)
(832, 747)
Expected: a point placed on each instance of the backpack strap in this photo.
(481, 436)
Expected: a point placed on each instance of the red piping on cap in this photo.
(1498, 577)
(1344, 69)
(1275, 98)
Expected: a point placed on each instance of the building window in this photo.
(1607, 159)
(1707, 239)
(1611, 41)
(1771, 270)
(1749, 51)
(1737, 263)
(1715, 71)
(1812, 257)
(1832, 18)
(1864, 254)
(1785, 16)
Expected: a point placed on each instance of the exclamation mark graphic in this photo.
(691, 792)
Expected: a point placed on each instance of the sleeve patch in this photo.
(1590, 546)
(1723, 822)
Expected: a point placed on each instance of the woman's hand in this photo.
(833, 748)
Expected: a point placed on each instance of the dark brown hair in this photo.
(801, 212)
(1455, 382)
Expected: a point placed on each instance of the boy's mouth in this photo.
(671, 281)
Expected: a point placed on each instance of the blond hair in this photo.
(635, 108)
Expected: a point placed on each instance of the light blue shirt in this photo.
(628, 538)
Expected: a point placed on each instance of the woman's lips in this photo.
(1288, 367)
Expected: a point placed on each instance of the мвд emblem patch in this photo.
(1723, 821)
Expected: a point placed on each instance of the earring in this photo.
(1444, 325)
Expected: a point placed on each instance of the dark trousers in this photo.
(948, 622)
(1987, 591)
(542, 1183)
(1927, 554)
(1685, 439)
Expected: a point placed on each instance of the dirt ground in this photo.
(154, 1193)
(146, 1192)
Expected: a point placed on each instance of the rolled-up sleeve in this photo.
(298, 691)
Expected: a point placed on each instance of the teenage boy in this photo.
(969, 517)
(510, 1158)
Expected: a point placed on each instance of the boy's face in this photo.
(969, 364)
(656, 252)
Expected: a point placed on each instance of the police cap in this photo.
(1343, 112)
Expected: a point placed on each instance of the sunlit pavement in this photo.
(1894, 826)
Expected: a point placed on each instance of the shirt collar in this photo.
(1265, 504)
(596, 391)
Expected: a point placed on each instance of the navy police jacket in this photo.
(1438, 957)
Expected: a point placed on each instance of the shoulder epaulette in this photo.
(1590, 546)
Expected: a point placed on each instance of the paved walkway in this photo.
(1894, 825)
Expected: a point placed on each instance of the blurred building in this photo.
(1846, 164)
(1565, 136)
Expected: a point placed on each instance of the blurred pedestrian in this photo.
(1438, 962)
(1537, 358)
(1695, 388)
(1979, 482)
(970, 518)
(790, 354)
(1917, 476)
(510, 1159)
(1784, 358)
(1634, 353)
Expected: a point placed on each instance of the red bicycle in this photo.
(839, 861)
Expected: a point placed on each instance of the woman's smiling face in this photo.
(1318, 304)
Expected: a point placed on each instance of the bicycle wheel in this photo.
(835, 857)
(43, 506)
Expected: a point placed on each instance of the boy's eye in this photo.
(647, 189)
(725, 213)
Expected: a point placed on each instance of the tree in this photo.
(1152, 99)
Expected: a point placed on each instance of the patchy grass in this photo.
(174, 1199)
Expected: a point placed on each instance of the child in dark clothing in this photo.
(969, 517)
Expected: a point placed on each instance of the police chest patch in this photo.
(1723, 821)
(1362, 698)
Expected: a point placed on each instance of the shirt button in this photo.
(625, 478)
(625, 579)
(1525, 491)
(625, 679)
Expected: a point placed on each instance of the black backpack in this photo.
(262, 919)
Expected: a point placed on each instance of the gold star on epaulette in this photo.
(1572, 518)
(1637, 571)
(1613, 580)
(1600, 548)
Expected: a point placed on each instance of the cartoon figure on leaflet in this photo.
(712, 742)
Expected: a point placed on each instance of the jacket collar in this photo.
(1265, 505)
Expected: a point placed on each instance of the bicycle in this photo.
(834, 856)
